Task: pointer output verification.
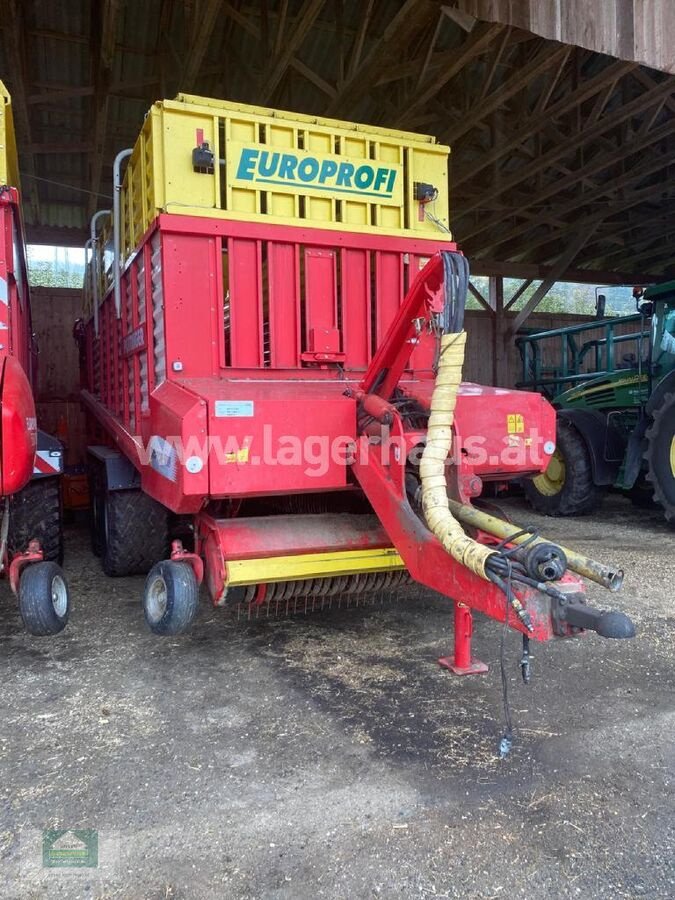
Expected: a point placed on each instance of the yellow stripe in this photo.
(312, 565)
(634, 379)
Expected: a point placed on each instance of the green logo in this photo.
(70, 848)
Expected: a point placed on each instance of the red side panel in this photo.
(245, 300)
(284, 313)
(356, 307)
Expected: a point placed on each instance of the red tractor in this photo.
(273, 361)
(31, 536)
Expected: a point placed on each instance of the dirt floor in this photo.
(330, 756)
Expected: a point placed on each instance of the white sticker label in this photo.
(234, 409)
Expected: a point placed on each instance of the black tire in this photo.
(36, 511)
(170, 598)
(44, 599)
(135, 533)
(660, 456)
(575, 493)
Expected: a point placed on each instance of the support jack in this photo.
(461, 662)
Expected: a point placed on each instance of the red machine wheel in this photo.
(171, 597)
(44, 599)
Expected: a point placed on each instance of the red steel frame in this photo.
(19, 427)
(306, 327)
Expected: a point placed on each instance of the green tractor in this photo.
(616, 410)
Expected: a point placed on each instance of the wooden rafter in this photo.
(476, 42)
(582, 137)
(290, 44)
(104, 24)
(533, 223)
(13, 37)
(202, 28)
(543, 60)
(403, 27)
(562, 264)
(536, 122)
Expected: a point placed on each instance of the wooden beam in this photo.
(536, 272)
(583, 136)
(545, 59)
(13, 39)
(294, 40)
(601, 162)
(104, 28)
(496, 59)
(312, 76)
(538, 120)
(476, 42)
(59, 237)
(281, 27)
(518, 293)
(359, 40)
(201, 36)
(59, 147)
(58, 95)
(500, 359)
(49, 34)
(557, 271)
(583, 199)
(610, 209)
(481, 299)
(402, 29)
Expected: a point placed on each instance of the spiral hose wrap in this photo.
(435, 504)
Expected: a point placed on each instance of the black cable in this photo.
(506, 741)
(501, 546)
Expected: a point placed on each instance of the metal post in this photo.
(461, 662)
(117, 227)
(95, 274)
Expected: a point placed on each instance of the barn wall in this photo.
(479, 325)
(57, 395)
(640, 30)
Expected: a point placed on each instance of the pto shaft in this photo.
(607, 576)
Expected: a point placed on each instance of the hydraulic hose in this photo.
(435, 503)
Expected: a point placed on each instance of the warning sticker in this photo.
(515, 423)
(233, 409)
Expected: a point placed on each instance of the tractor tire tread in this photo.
(579, 495)
(36, 512)
(136, 533)
(659, 473)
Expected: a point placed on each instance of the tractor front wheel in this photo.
(44, 599)
(171, 597)
(660, 456)
(566, 488)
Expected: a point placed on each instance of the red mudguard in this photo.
(18, 433)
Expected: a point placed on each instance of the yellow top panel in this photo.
(9, 167)
(197, 156)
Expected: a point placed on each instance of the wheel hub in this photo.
(156, 599)
(59, 596)
(552, 480)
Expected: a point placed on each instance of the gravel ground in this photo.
(329, 755)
